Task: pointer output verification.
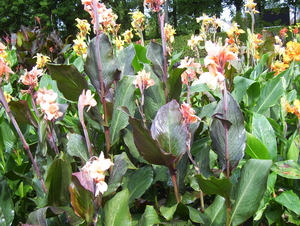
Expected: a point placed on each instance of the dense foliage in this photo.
(108, 131)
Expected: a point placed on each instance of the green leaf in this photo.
(22, 112)
(260, 67)
(236, 133)
(124, 97)
(216, 212)
(76, 146)
(170, 131)
(149, 217)
(38, 217)
(72, 218)
(57, 181)
(168, 212)
(154, 96)
(108, 62)
(138, 182)
(117, 211)
(293, 152)
(270, 95)
(249, 190)
(124, 59)
(81, 200)
(290, 200)
(262, 130)
(7, 211)
(69, 80)
(255, 148)
(121, 164)
(140, 57)
(196, 215)
(241, 85)
(288, 169)
(174, 84)
(155, 55)
(212, 186)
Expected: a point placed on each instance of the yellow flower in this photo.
(41, 60)
(7, 96)
(138, 20)
(292, 52)
(169, 33)
(294, 109)
(128, 36)
(250, 7)
(83, 26)
(205, 19)
(279, 67)
(194, 41)
(80, 47)
(119, 42)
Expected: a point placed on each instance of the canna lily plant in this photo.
(118, 134)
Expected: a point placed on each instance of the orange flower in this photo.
(31, 78)
(188, 113)
(295, 30)
(292, 52)
(154, 5)
(283, 32)
(295, 109)
(4, 68)
(279, 67)
(143, 80)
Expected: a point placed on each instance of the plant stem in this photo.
(163, 42)
(86, 134)
(23, 140)
(174, 180)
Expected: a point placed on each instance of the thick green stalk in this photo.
(174, 180)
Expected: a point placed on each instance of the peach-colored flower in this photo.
(31, 78)
(4, 68)
(188, 113)
(154, 5)
(191, 71)
(47, 101)
(87, 99)
(96, 168)
(143, 80)
(283, 32)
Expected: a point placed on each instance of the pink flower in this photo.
(143, 80)
(154, 5)
(191, 71)
(86, 99)
(188, 113)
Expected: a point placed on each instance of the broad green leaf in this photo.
(249, 190)
(22, 112)
(154, 96)
(290, 200)
(124, 97)
(42, 136)
(7, 211)
(196, 215)
(288, 169)
(202, 160)
(260, 67)
(168, 212)
(121, 164)
(270, 95)
(81, 200)
(294, 149)
(129, 141)
(108, 62)
(236, 133)
(124, 59)
(149, 217)
(241, 84)
(155, 55)
(138, 182)
(140, 57)
(76, 146)
(72, 218)
(262, 130)
(147, 146)
(57, 181)
(292, 217)
(170, 131)
(69, 80)
(216, 212)
(174, 84)
(255, 148)
(38, 217)
(8, 135)
(213, 185)
(117, 211)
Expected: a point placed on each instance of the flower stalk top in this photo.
(154, 5)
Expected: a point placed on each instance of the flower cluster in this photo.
(294, 109)
(188, 113)
(41, 60)
(255, 42)
(233, 37)
(138, 21)
(4, 67)
(80, 46)
(195, 41)
(143, 80)
(250, 7)
(105, 18)
(191, 71)
(154, 5)
(47, 101)
(96, 169)
(31, 78)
